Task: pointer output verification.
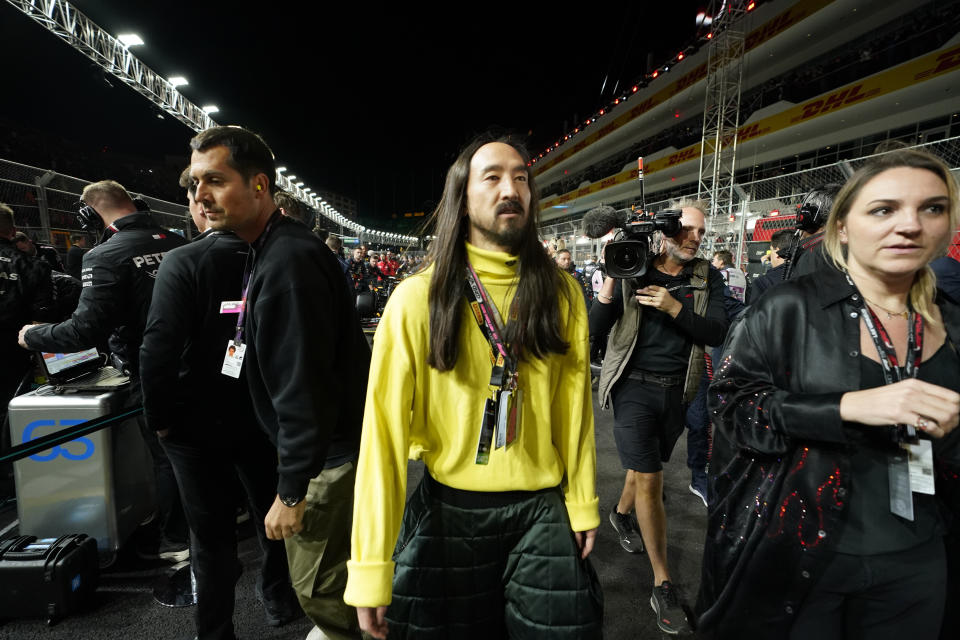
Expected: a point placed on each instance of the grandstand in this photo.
(824, 82)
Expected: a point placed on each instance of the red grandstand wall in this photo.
(766, 227)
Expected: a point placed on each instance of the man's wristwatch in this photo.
(291, 501)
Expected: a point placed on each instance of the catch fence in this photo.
(773, 199)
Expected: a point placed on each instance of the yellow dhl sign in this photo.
(755, 38)
(910, 73)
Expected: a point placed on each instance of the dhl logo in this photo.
(691, 78)
(835, 100)
(781, 23)
(946, 61)
(686, 154)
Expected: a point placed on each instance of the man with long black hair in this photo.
(489, 384)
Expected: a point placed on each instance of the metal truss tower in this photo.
(81, 33)
(721, 108)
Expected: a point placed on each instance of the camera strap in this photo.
(904, 466)
(501, 412)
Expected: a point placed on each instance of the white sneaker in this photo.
(317, 634)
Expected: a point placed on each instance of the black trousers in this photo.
(205, 466)
(888, 596)
(172, 520)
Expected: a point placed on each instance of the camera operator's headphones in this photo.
(90, 220)
(815, 208)
(88, 217)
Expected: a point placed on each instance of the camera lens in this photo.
(626, 258)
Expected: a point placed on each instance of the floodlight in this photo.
(130, 39)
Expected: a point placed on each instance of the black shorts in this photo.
(647, 421)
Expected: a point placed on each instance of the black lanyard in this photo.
(503, 358)
(892, 371)
(248, 268)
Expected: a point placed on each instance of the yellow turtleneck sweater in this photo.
(413, 410)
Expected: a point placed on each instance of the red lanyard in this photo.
(248, 272)
(504, 359)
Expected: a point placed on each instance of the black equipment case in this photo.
(51, 577)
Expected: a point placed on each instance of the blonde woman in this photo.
(823, 527)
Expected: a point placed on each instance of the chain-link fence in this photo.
(761, 208)
(43, 204)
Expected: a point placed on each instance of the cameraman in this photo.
(653, 366)
(811, 218)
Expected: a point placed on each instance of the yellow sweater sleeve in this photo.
(380, 491)
(572, 420)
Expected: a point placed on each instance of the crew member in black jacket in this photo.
(26, 294)
(300, 328)
(206, 424)
(118, 276)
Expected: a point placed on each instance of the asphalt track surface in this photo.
(125, 607)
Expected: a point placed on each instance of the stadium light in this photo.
(178, 81)
(210, 108)
(281, 169)
(130, 39)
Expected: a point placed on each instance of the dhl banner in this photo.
(926, 67)
(755, 38)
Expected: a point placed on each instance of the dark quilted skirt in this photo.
(491, 565)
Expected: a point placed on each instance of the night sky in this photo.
(370, 101)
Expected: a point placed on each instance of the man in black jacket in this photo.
(78, 247)
(26, 294)
(299, 328)
(206, 424)
(779, 241)
(118, 276)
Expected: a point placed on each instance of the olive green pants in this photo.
(317, 556)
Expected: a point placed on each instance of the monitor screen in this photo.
(57, 362)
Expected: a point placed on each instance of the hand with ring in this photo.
(660, 299)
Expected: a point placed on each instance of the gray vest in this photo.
(624, 334)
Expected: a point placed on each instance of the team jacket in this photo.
(117, 277)
(186, 336)
(26, 293)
